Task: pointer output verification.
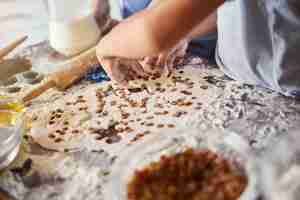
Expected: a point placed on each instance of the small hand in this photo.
(101, 11)
(122, 70)
(166, 61)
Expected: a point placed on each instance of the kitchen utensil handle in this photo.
(9, 48)
(39, 90)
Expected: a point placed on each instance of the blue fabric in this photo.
(204, 46)
(296, 94)
(97, 74)
(129, 7)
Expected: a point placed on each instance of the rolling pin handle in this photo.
(38, 91)
(6, 50)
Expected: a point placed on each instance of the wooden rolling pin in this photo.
(67, 74)
(9, 48)
(5, 196)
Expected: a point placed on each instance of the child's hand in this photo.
(122, 70)
(166, 61)
(101, 11)
(110, 24)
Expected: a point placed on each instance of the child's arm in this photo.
(166, 59)
(208, 25)
(156, 29)
(154, 3)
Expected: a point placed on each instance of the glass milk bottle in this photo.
(72, 26)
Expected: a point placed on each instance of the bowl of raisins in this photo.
(185, 166)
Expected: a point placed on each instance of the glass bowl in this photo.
(229, 145)
(11, 129)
